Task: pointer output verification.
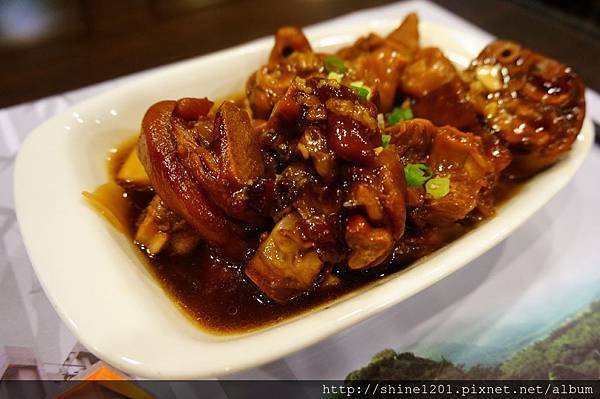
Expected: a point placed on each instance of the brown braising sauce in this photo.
(216, 294)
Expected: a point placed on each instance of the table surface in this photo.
(89, 41)
(498, 304)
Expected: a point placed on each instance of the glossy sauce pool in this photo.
(214, 292)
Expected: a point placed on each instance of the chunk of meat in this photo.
(175, 184)
(427, 72)
(365, 196)
(288, 39)
(378, 62)
(313, 145)
(380, 70)
(407, 34)
(192, 109)
(374, 60)
(533, 103)
(290, 57)
(299, 111)
(319, 208)
(392, 190)
(369, 246)
(298, 190)
(404, 39)
(460, 157)
(236, 145)
(336, 123)
(285, 264)
(379, 194)
(438, 92)
(352, 131)
(337, 127)
(450, 153)
(229, 165)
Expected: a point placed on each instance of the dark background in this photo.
(50, 46)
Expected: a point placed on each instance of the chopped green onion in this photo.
(361, 90)
(334, 64)
(335, 76)
(438, 187)
(399, 114)
(385, 140)
(416, 174)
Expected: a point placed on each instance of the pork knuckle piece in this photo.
(160, 151)
(227, 168)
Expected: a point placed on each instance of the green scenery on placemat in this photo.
(572, 351)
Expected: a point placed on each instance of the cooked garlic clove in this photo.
(489, 76)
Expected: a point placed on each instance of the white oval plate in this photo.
(103, 292)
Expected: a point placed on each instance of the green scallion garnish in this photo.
(399, 114)
(334, 64)
(416, 174)
(361, 90)
(438, 187)
(385, 140)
